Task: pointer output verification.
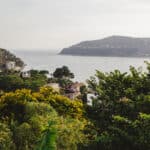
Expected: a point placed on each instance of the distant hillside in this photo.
(6, 56)
(111, 46)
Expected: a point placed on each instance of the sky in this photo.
(55, 24)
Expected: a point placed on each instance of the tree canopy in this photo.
(63, 72)
(26, 117)
(36, 117)
(121, 110)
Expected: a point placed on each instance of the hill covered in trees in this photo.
(7, 56)
(111, 46)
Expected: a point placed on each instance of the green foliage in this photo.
(84, 92)
(71, 134)
(64, 82)
(44, 72)
(6, 142)
(37, 79)
(121, 110)
(62, 76)
(27, 114)
(34, 73)
(48, 140)
(41, 118)
(63, 105)
(11, 82)
(63, 72)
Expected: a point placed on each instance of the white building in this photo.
(90, 98)
(25, 74)
(55, 86)
(10, 65)
(17, 68)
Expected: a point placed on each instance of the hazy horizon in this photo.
(54, 25)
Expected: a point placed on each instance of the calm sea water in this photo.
(82, 67)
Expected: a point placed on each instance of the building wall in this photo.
(10, 65)
(55, 86)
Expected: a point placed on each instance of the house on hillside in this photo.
(18, 68)
(9, 62)
(55, 86)
(73, 91)
(90, 97)
(10, 65)
(25, 74)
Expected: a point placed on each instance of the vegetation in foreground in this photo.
(43, 119)
(40, 120)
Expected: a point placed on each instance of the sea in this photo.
(83, 67)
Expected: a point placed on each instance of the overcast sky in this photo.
(55, 24)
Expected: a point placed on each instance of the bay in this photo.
(83, 67)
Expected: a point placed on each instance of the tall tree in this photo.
(63, 72)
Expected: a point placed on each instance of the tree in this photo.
(6, 142)
(26, 117)
(63, 105)
(34, 72)
(27, 113)
(84, 91)
(63, 72)
(10, 82)
(44, 72)
(120, 111)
